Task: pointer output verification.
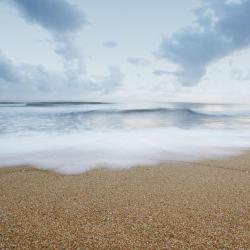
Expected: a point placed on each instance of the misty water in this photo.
(72, 137)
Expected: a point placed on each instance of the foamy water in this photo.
(75, 137)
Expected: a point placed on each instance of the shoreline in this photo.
(212, 161)
(203, 204)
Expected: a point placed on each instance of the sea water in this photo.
(72, 137)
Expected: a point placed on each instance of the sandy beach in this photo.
(203, 205)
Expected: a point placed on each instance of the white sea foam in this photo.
(77, 152)
(75, 137)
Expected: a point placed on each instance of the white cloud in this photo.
(221, 28)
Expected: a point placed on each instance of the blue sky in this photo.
(125, 50)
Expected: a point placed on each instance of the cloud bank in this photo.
(27, 81)
(221, 28)
(24, 81)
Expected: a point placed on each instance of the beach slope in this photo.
(181, 205)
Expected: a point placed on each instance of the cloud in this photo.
(241, 75)
(162, 72)
(34, 81)
(138, 61)
(110, 44)
(221, 28)
(108, 83)
(7, 71)
(61, 19)
(25, 78)
(56, 16)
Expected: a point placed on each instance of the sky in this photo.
(133, 50)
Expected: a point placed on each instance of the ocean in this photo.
(72, 137)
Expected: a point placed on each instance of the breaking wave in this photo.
(72, 137)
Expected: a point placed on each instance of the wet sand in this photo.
(181, 205)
